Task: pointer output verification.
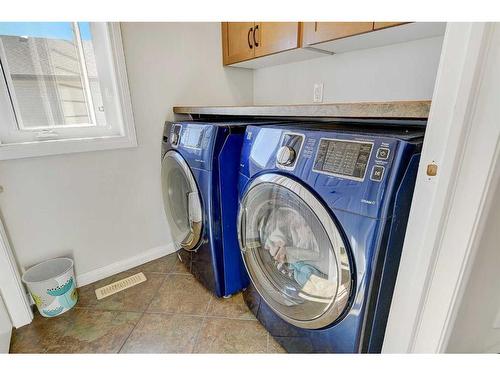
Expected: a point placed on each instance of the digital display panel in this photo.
(191, 137)
(343, 158)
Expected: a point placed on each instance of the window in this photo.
(63, 88)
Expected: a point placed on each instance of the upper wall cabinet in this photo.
(272, 37)
(259, 44)
(237, 41)
(242, 41)
(317, 32)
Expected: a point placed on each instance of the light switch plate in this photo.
(318, 93)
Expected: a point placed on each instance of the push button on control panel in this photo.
(377, 173)
(383, 153)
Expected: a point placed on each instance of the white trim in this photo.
(64, 146)
(109, 139)
(122, 81)
(11, 287)
(473, 194)
(124, 265)
(5, 328)
(445, 210)
(85, 77)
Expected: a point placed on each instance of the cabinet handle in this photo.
(248, 37)
(255, 40)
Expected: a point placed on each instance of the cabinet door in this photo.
(237, 41)
(317, 32)
(383, 25)
(272, 37)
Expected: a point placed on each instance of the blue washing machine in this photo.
(199, 170)
(321, 223)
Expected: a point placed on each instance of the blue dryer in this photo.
(199, 172)
(322, 218)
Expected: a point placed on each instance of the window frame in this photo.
(119, 131)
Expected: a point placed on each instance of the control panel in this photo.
(350, 170)
(343, 158)
(175, 135)
(189, 136)
(289, 151)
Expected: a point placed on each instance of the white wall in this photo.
(104, 207)
(404, 71)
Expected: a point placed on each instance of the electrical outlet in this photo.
(318, 93)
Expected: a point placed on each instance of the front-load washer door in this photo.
(294, 252)
(181, 200)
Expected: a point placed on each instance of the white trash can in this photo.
(52, 286)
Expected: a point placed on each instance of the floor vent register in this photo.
(120, 285)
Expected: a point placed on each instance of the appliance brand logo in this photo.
(367, 201)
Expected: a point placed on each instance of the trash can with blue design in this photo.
(52, 286)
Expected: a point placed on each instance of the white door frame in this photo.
(5, 328)
(445, 219)
(11, 287)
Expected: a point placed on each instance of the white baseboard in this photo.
(124, 265)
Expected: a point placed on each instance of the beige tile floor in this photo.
(169, 313)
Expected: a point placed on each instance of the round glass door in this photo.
(181, 201)
(294, 252)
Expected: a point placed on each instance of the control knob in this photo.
(175, 138)
(286, 155)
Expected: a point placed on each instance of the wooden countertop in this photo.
(418, 109)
